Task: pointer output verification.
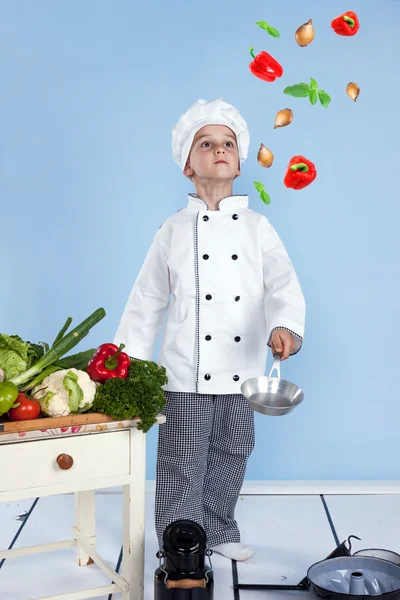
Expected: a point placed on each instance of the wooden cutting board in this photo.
(7, 426)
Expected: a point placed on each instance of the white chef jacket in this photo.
(228, 283)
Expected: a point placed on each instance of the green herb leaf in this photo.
(313, 96)
(274, 32)
(271, 30)
(265, 198)
(259, 186)
(313, 84)
(263, 25)
(324, 98)
(300, 90)
(75, 392)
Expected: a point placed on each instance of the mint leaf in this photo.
(274, 32)
(263, 25)
(313, 84)
(259, 186)
(271, 30)
(324, 98)
(300, 90)
(75, 392)
(313, 96)
(265, 198)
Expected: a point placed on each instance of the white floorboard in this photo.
(289, 533)
(46, 574)
(11, 519)
(375, 519)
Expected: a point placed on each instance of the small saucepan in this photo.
(272, 396)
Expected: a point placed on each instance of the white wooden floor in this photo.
(289, 534)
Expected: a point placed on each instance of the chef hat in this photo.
(200, 114)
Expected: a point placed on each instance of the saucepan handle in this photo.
(276, 365)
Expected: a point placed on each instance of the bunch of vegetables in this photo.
(130, 388)
(35, 378)
(24, 366)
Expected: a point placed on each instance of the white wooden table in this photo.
(81, 460)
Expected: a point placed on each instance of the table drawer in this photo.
(36, 464)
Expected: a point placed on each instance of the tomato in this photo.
(27, 409)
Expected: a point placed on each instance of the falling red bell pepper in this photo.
(264, 66)
(347, 24)
(300, 173)
(108, 362)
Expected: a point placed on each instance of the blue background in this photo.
(89, 93)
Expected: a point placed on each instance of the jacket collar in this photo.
(235, 202)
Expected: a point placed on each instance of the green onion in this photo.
(76, 361)
(61, 347)
(64, 328)
(39, 378)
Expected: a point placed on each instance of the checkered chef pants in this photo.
(201, 459)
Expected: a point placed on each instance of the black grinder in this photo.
(183, 573)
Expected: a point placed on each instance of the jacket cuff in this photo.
(298, 340)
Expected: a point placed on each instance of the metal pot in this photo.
(272, 396)
(353, 578)
(380, 553)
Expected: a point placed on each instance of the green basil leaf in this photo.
(300, 90)
(263, 25)
(259, 186)
(265, 198)
(75, 392)
(313, 97)
(274, 32)
(313, 84)
(324, 98)
(271, 30)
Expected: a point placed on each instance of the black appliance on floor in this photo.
(183, 573)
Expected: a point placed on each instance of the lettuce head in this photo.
(17, 356)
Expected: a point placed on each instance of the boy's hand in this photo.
(282, 342)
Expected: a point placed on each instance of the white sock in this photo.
(234, 551)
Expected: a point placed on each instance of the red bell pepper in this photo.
(347, 24)
(108, 362)
(264, 66)
(300, 173)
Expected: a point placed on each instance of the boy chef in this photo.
(232, 291)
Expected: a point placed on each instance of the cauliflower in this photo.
(65, 392)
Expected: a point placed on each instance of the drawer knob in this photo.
(65, 461)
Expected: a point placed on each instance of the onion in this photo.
(353, 90)
(283, 117)
(265, 156)
(305, 34)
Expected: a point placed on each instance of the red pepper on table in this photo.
(264, 66)
(300, 173)
(347, 24)
(108, 362)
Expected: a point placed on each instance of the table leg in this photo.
(134, 519)
(85, 521)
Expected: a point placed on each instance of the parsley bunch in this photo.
(138, 395)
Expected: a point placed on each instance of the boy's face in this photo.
(211, 144)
